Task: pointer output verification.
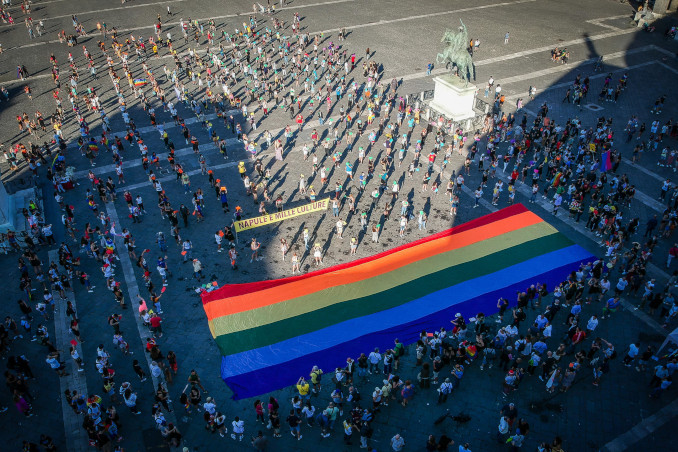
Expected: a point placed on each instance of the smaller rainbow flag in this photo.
(605, 161)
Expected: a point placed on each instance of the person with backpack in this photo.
(388, 358)
(323, 421)
(398, 351)
(332, 412)
(365, 434)
(444, 390)
(353, 396)
(518, 316)
(316, 375)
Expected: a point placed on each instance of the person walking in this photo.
(397, 443)
(631, 354)
(260, 442)
(611, 305)
(56, 365)
(557, 202)
(130, 399)
(444, 390)
(650, 225)
(238, 428)
(516, 441)
(197, 269)
(673, 253)
(503, 429)
(295, 424)
(365, 432)
(187, 250)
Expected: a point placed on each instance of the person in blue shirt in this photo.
(611, 306)
(576, 309)
(458, 373)
(540, 347)
(656, 392)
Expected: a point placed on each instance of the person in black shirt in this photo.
(293, 421)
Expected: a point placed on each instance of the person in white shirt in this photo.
(238, 428)
(101, 353)
(375, 359)
(209, 406)
(526, 349)
(309, 411)
(156, 371)
(631, 354)
(604, 287)
(339, 376)
(376, 396)
(502, 334)
(547, 331)
(591, 325)
(444, 390)
(503, 429)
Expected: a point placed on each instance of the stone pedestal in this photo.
(664, 6)
(6, 213)
(453, 98)
(11, 217)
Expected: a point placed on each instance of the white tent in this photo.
(672, 337)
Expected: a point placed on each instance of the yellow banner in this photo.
(251, 223)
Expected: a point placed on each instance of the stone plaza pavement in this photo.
(403, 36)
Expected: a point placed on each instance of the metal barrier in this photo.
(480, 105)
(420, 96)
(421, 100)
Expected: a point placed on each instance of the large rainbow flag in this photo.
(272, 332)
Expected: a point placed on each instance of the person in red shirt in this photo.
(150, 343)
(156, 325)
(673, 252)
(578, 337)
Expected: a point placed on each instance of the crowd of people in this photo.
(343, 115)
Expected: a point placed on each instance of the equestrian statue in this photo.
(456, 53)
